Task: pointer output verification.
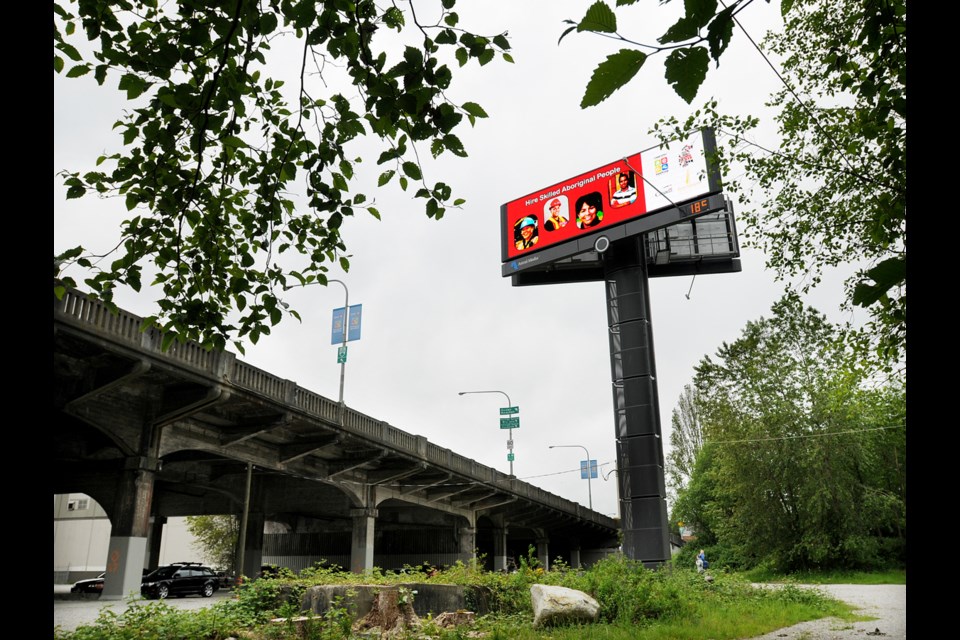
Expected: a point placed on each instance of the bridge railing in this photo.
(125, 328)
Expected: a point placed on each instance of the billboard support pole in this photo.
(641, 485)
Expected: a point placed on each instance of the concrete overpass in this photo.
(152, 434)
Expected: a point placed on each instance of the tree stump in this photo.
(392, 613)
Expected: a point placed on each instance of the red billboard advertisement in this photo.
(642, 184)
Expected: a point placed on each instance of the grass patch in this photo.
(890, 576)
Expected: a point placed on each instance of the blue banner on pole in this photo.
(337, 331)
(340, 334)
(353, 332)
(584, 464)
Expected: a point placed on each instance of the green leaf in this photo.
(458, 202)
(886, 275)
(486, 56)
(268, 23)
(403, 183)
(719, 32)
(785, 6)
(701, 11)
(686, 70)
(599, 18)
(385, 177)
(474, 109)
(566, 31)
(508, 58)
(57, 64)
(412, 170)
(168, 339)
(75, 192)
(134, 85)
(462, 56)
(683, 29)
(374, 212)
(70, 51)
(79, 70)
(617, 70)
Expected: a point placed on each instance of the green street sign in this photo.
(509, 457)
(509, 423)
(506, 411)
(341, 355)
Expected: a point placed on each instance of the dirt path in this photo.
(886, 602)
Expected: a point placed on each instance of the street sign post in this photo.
(509, 457)
(506, 411)
(341, 355)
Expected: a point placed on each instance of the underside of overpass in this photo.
(152, 434)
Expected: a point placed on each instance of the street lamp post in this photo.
(510, 440)
(589, 468)
(343, 344)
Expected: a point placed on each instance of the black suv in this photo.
(180, 579)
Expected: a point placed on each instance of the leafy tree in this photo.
(833, 191)
(216, 145)
(216, 538)
(800, 440)
(686, 439)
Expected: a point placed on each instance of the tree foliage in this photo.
(803, 464)
(216, 538)
(686, 439)
(217, 145)
(702, 34)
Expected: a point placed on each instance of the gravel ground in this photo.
(886, 602)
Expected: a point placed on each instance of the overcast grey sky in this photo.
(437, 316)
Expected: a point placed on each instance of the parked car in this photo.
(90, 585)
(180, 579)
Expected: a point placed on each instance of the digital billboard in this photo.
(608, 197)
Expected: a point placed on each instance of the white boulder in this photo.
(553, 606)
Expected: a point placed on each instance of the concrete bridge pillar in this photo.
(253, 545)
(575, 558)
(500, 549)
(130, 526)
(152, 561)
(361, 543)
(468, 544)
(543, 553)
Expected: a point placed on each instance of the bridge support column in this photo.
(152, 561)
(253, 545)
(500, 549)
(543, 553)
(468, 544)
(130, 526)
(361, 543)
(575, 558)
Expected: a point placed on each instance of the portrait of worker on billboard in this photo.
(555, 213)
(589, 210)
(525, 234)
(622, 190)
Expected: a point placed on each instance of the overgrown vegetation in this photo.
(673, 602)
(800, 463)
